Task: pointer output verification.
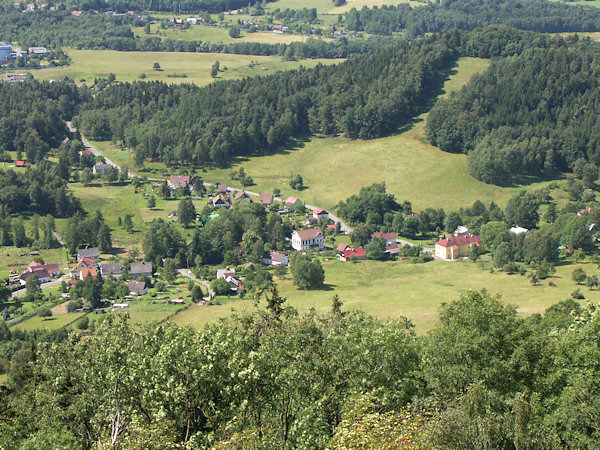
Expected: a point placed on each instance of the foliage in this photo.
(307, 273)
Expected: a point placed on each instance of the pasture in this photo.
(128, 66)
(392, 289)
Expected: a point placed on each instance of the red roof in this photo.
(455, 241)
(386, 236)
(342, 247)
(319, 211)
(86, 262)
(180, 179)
(356, 252)
(291, 201)
(20, 163)
(89, 271)
(266, 199)
(331, 227)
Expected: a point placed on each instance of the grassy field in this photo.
(52, 323)
(10, 255)
(334, 168)
(127, 66)
(389, 290)
(327, 6)
(217, 34)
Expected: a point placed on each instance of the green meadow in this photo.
(128, 66)
(392, 289)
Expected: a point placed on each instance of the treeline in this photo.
(483, 377)
(536, 15)
(364, 97)
(527, 114)
(182, 7)
(32, 116)
(55, 29)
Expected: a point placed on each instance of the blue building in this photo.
(5, 50)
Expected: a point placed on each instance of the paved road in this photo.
(188, 274)
(50, 284)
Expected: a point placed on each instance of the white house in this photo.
(224, 273)
(292, 202)
(307, 239)
(101, 168)
(275, 259)
(519, 230)
(137, 288)
(319, 214)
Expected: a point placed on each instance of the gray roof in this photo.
(111, 268)
(143, 267)
(87, 252)
(136, 286)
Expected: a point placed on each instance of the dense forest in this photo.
(483, 377)
(364, 97)
(529, 113)
(536, 15)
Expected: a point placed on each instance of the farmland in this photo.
(128, 66)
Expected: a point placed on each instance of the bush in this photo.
(576, 294)
(73, 305)
(83, 323)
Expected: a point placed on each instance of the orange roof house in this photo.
(456, 246)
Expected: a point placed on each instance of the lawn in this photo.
(52, 323)
(10, 255)
(127, 66)
(389, 290)
(327, 6)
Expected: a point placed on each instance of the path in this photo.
(50, 284)
(188, 274)
(410, 244)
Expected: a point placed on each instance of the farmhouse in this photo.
(320, 214)
(43, 276)
(243, 195)
(266, 199)
(392, 249)
(226, 272)
(176, 181)
(275, 259)
(347, 252)
(292, 202)
(111, 269)
(84, 263)
(307, 239)
(222, 188)
(101, 168)
(456, 246)
(89, 253)
(220, 202)
(140, 270)
(137, 288)
(52, 269)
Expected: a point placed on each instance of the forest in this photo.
(483, 377)
(527, 114)
(536, 15)
(364, 97)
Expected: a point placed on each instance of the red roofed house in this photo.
(19, 163)
(356, 253)
(388, 237)
(84, 263)
(455, 246)
(292, 202)
(222, 188)
(88, 272)
(319, 214)
(342, 247)
(307, 239)
(242, 195)
(220, 202)
(52, 269)
(76, 13)
(176, 181)
(266, 199)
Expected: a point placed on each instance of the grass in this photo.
(127, 66)
(327, 6)
(9, 255)
(390, 289)
(217, 34)
(52, 323)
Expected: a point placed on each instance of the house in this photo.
(222, 188)
(43, 276)
(266, 199)
(235, 284)
(291, 202)
(40, 51)
(242, 195)
(320, 214)
(88, 272)
(220, 202)
(519, 230)
(90, 253)
(52, 269)
(140, 270)
(84, 263)
(111, 269)
(387, 237)
(176, 181)
(275, 259)
(101, 168)
(456, 246)
(392, 249)
(137, 288)
(19, 163)
(354, 253)
(307, 239)
(120, 305)
(226, 272)
(76, 13)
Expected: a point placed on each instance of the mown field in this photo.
(128, 66)
(328, 7)
(217, 34)
(392, 289)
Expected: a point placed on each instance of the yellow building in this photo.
(456, 246)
